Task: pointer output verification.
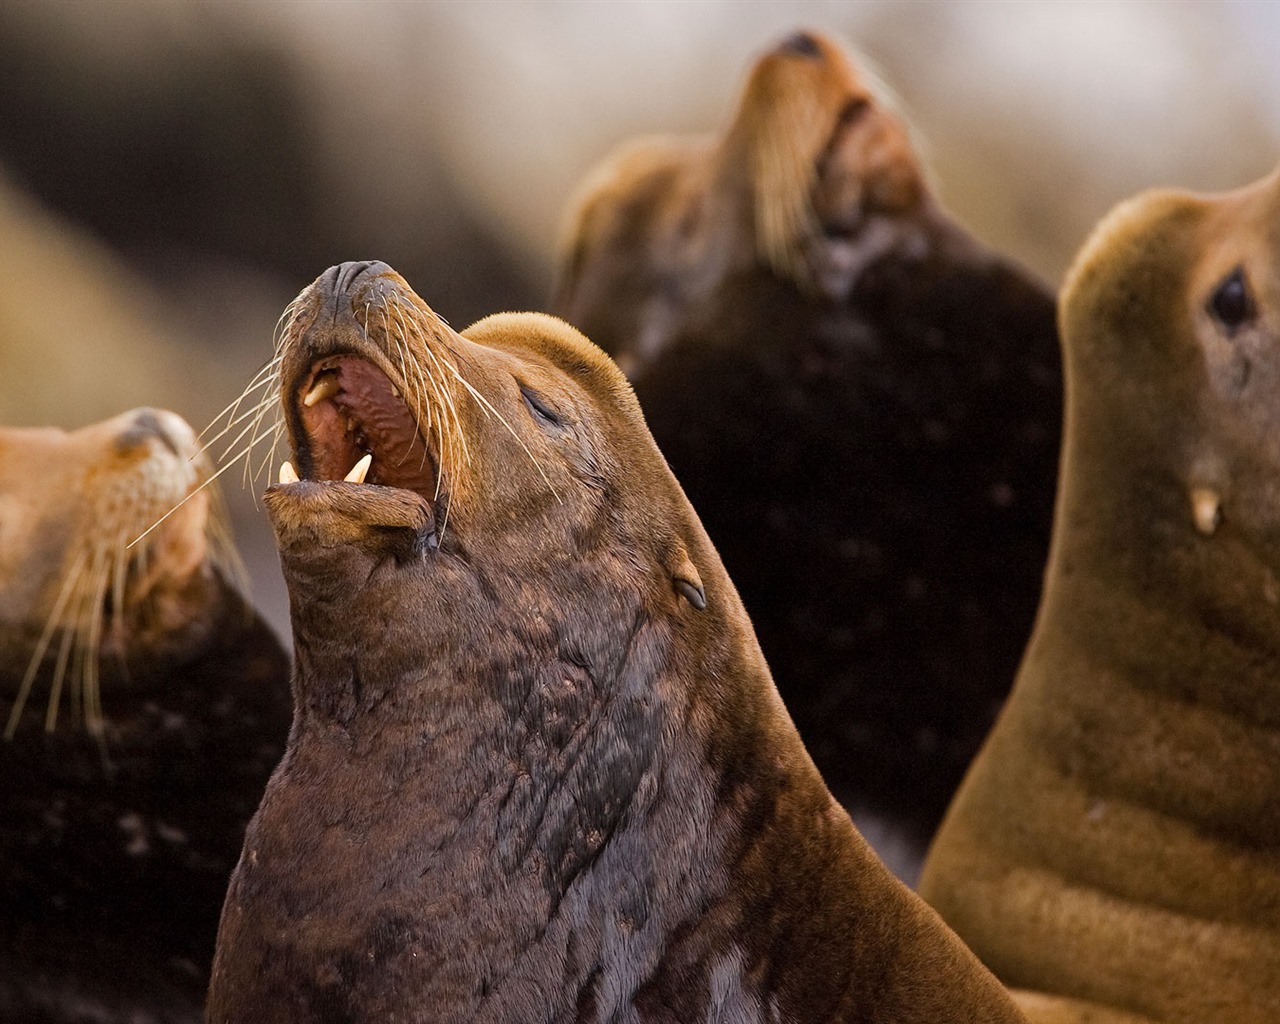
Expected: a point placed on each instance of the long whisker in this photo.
(484, 402)
(264, 376)
(196, 490)
(37, 659)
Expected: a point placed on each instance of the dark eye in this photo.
(1232, 302)
(539, 407)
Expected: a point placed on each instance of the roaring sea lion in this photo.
(144, 705)
(863, 402)
(538, 770)
(1117, 842)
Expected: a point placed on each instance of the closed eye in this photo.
(538, 406)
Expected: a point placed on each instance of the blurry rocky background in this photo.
(172, 173)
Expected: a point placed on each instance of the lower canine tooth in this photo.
(359, 471)
(288, 475)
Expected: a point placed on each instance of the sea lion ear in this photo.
(687, 581)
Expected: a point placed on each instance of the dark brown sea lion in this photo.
(1117, 842)
(144, 704)
(863, 402)
(538, 770)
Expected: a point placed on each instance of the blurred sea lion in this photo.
(1116, 845)
(863, 402)
(538, 770)
(144, 706)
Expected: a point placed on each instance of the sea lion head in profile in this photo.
(863, 402)
(538, 770)
(145, 706)
(1117, 843)
(77, 595)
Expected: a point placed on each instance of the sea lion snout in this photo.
(339, 281)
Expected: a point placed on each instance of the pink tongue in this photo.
(399, 456)
(384, 425)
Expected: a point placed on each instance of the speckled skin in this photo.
(538, 770)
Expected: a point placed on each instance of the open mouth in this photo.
(352, 423)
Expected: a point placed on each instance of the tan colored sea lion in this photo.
(144, 706)
(1118, 840)
(863, 402)
(538, 770)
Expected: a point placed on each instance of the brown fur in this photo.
(538, 770)
(1118, 840)
(145, 705)
(863, 402)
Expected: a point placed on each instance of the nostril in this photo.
(338, 280)
(145, 426)
(801, 43)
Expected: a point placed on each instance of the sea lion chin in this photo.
(863, 402)
(145, 706)
(1116, 846)
(538, 770)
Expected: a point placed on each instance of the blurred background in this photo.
(172, 173)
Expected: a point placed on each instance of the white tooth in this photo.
(360, 470)
(288, 475)
(325, 385)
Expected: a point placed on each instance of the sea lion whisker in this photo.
(421, 380)
(265, 376)
(268, 398)
(42, 645)
(200, 487)
(445, 393)
(276, 430)
(74, 625)
(258, 412)
(417, 418)
(484, 403)
(59, 671)
(90, 638)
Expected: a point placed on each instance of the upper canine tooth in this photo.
(360, 470)
(325, 386)
(288, 475)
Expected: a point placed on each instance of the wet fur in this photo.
(863, 402)
(1116, 845)
(528, 778)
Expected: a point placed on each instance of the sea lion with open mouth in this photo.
(538, 770)
(863, 402)
(1116, 846)
(144, 706)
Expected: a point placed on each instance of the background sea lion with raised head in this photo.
(863, 402)
(144, 706)
(1117, 842)
(538, 770)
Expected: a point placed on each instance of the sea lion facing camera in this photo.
(1118, 839)
(538, 771)
(145, 706)
(862, 401)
